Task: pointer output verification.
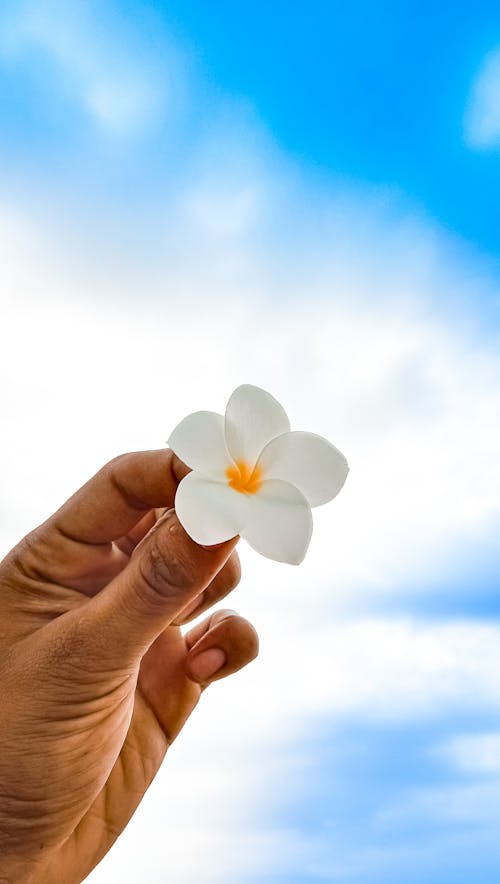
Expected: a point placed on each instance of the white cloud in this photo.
(110, 67)
(476, 753)
(477, 804)
(482, 118)
(218, 788)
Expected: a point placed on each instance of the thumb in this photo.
(166, 573)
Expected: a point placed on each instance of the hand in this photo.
(96, 678)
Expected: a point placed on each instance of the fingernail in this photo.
(206, 664)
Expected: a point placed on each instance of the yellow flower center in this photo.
(243, 479)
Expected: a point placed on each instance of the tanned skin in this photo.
(96, 677)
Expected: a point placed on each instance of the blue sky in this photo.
(374, 93)
(302, 196)
(371, 93)
(368, 91)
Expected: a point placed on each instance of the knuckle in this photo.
(112, 467)
(28, 546)
(239, 631)
(25, 557)
(118, 466)
(250, 639)
(116, 461)
(163, 572)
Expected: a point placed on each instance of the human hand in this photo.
(96, 678)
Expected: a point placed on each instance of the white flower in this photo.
(253, 477)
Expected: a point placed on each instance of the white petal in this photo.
(209, 511)
(309, 462)
(253, 418)
(279, 522)
(199, 441)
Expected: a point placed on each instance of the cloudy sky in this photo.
(302, 196)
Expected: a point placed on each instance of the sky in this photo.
(303, 197)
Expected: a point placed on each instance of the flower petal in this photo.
(199, 441)
(309, 462)
(209, 511)
(253, 418)
(279, 522)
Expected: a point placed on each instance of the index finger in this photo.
(114, 500)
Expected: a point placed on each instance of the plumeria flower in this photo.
(252, 476)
